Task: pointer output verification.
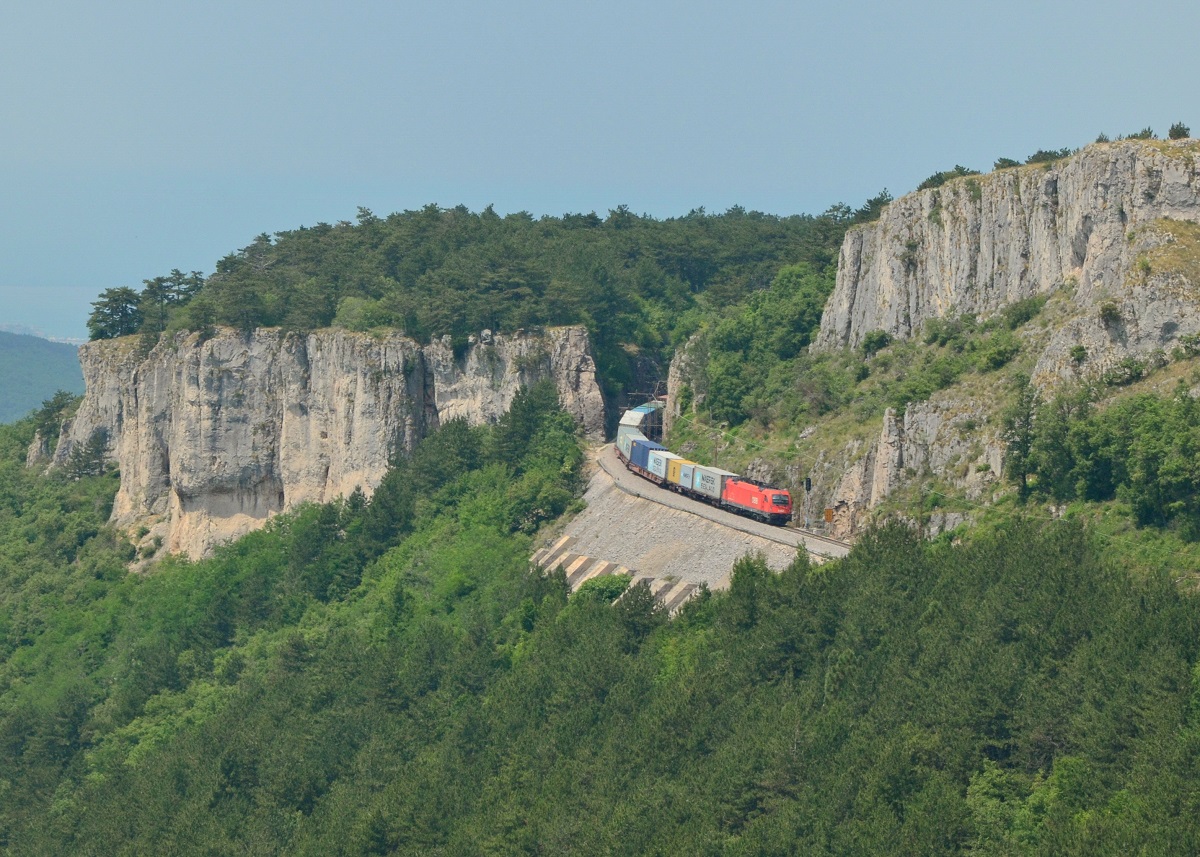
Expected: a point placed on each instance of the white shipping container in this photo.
(709, 480)
(658, 462)
(625, 438)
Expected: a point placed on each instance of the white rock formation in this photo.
(976, 244)
(213, 436)
(940, 438)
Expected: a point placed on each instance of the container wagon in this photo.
(651, 460)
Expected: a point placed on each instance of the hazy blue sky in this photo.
(143, 136)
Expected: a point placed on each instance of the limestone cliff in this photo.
(945, 441)
(941, 438)
(213, 435)
(1090, 224)
(1112, 233)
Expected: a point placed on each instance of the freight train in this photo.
(651, 460)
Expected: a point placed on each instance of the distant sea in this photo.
(26, 330)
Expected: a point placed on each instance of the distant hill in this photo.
(31, 370)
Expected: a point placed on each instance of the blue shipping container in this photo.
(639, 452)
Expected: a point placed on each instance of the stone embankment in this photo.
(631, 526)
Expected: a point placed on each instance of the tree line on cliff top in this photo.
(636, 282)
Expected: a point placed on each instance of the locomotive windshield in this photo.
(779, 499)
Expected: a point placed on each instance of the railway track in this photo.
(629, 483)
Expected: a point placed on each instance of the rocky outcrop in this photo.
(214, 435)
(939, 440)
(975, 244)
(480, 386)
(39, 451)
(943, 442)
(1114, 230)
(1111, 233)
(685, 393)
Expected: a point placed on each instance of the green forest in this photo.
(391, 677)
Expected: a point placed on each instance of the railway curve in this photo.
(819, 546)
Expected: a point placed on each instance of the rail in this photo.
(812, 542)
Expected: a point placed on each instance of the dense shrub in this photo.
(1023, 311)
(1045, 156)
(875, 341)
(1141, 449)
(772, 328)
(940, 178)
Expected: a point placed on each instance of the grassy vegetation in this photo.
(1180, 255)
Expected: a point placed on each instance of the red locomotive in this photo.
(760, 501)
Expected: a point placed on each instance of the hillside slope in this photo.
(31, 370)
(1078, 272)
(388, 675)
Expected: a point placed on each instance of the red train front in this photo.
(771, 504)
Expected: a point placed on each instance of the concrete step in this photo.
(551, 562)
(546, 555)
(679, 595)
(600, 568)
(668, 591)
(579, 569)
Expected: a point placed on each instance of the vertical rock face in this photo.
(944, 438)
(214, 435)
(938, 437)
(482, 385)
(39, 451)
(976, 244)
(685, 372)
(1115, 229)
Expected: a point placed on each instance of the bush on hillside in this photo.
(875, 341)
(1046, 156)
(940, 178)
